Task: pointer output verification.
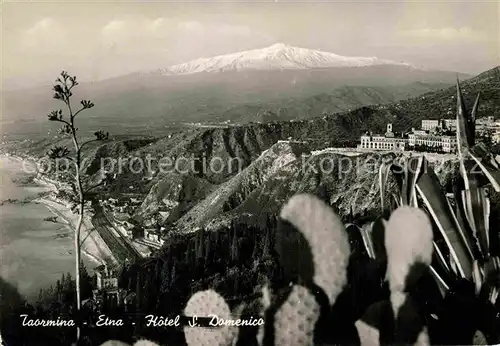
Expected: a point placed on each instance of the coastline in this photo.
(93, 245)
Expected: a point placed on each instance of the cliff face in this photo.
(349, 183)
(252, 191)
(232, 193)
(171, 197)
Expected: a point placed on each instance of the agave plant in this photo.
(465, 246)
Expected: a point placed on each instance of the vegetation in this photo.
(240, 258)
(63, 92)
(54, 302)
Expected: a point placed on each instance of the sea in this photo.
(34, 252)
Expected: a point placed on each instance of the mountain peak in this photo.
(278, 45)
(278, 56)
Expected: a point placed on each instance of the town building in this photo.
(387, 141)
(107, 291)
(426, 138)
(153, 235)
(430, 125)
(482, 124)
(449, 124)
(445, 143)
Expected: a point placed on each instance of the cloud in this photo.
(445, 34)
(235, 30)
(157, 26)
(114, 27)
(117, 31)
(191, 27)
(138, 29)
(215, 30)
(46, 33)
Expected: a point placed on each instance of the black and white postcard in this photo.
(249, 173)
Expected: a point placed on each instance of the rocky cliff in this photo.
(347, 182)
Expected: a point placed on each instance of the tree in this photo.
(234, 246)
(200, 243)
(62, 89)
(165, 278)
(486, 137)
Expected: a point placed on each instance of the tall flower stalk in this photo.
(62, 89)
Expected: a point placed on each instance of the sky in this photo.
(96, 40)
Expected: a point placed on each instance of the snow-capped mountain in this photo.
(275, 57)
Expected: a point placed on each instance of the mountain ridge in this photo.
(266, 177)
(276, 56)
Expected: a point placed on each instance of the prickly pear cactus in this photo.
(204, 304)
(327, 239)
(408, 240)
(295, 320)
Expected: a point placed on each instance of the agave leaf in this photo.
(474, 109)
(487, 164)
(367, 239)
(397, 171)
(440, 264)
(443, 287)
(454, 267)
(476, 205)
(377, 237)
(490, 288)
(406, 176)
(429, 189)
(382, 179)
(404, 187)
(496, 262)
(397, 201)
(440, 259)
(467, 239)
(465, 125)
(356, 239)
(477, 277)
(489, 233)
(414, 172)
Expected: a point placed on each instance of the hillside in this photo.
(154, 103)
(349, 183)
(268, 171)
(442, 104)
(228, 195)
(247, 193)
(339, 100)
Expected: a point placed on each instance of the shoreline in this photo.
(93, 246)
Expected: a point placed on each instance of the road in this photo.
(120, 247)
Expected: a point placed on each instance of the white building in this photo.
(153, 235)
(447, 144)
(450, 124)
(386, 141)
(429, 125)
(417, 138)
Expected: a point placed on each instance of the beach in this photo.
(36, 248)
(92, 245)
